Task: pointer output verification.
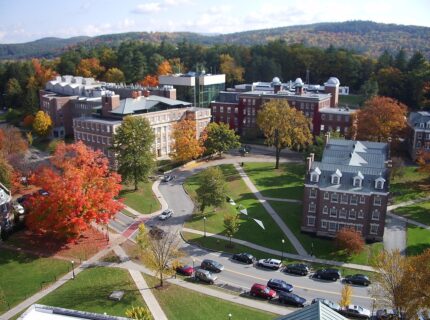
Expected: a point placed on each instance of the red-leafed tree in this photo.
(81, 189)
(350, 240)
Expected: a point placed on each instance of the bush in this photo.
(350, 240)
(13, 116)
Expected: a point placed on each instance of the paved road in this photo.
(395, 234)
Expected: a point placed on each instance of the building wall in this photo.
(59, 109)
(340, 122)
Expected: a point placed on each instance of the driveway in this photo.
(395, 234)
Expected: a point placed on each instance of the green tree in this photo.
(231, 225)
(369, 89)
(220, 138)
(233, 72)
(283, 127)
(132, 144)
(31, 101)
(42, 124)
(139, 313)
(14, 93)
(212, 189)
(114, 75)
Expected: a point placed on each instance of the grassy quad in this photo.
(419, 212)
(180, 303)
(418, 239)
(90, 290)
(412, 185)
(142, 200)
(249, 230)
(22, 275)
(285, 183)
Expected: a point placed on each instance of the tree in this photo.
(29, 137)
(82, 191)
(42, 75)
(212, 190)
(14, 93)
(6, 172)
(42, 124)
(231, 225)
(114, 75)
(220, 138)
(164, 68)
(89, 68)
(186, 145)
(31, 101)
(233, 72)
(345, 296)
(380, 119)
(28, 120)
(350, 240)
(139, 313)
(283, 127)
(159, 251)
(369, 89)
(132, 144)
(12, 142)
(397, 167)
(150, 81)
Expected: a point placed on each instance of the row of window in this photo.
(337, 129)
(357, 181)
(334, 226)
(338, 118)
(426, 145)
(92, 126)
(343, 198)
(93, 138)
(342, 212)
(221, 109)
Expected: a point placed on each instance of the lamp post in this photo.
(229, 316)
(73, 269)
(204, 225)
(312, 248)
(194, 261)
(283, 242)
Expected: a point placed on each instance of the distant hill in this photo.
(362, 36)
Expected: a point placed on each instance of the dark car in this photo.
(244, 257)
(279, 285)
(292, 299)
(185, 270)
(21, 200)
(212, 265)
(327, 274)
(43, 192)
(297, 268)
(359, 279)
(262, 291)
(387, 314)
(356, 312)
(332, 305)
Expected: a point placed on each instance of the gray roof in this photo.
(415, 118)
(316, 311)
(342, 111)
(147, 104)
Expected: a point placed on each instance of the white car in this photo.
(166, 214)
(355, 311)
(270, 263)
(18, 208)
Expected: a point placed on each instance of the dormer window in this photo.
(335, 177)
(358, 180)
(421, 125)
(379, 183)
(315, 175)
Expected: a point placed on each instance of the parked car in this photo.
(18, 208)
(167, 178)
(387, 314)
(269, 263)
(297, 268)
(166, 214)
(292, 299)
(211, 265)
(205, 276)
(244, 257)
(43, 192)
(332, 305)
(262, 291)
(327, 274)
(185, 270)
(279, 285)
(359, 279)
(21, 200)
(354, 311)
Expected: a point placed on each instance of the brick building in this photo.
(349, 187)
(419, 136)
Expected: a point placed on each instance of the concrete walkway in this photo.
(407, 203)
(395, 234)
(288, 233)
(410, 221)
(282, 200)
(279, 253)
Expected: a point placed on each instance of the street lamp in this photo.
(283, 242)
(194, 261)
(73, 269)
(204, 225)
(312, 248)
(229, 316)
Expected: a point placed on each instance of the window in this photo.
(325, 210)
(375, 214)
(314, 177)
(357, 182)
(352, 214)
(312, 207)
(228, 109)
(379, 185)
(362, 199)
(333, 212)
(334, 197)
(342, 213)
(354, 199)
(359, 228)
(221, 109)
(332, 226)
(361, 214)
(377, 201)
(323, 117)
(374, 228)
(324, 224)
(335, 180)
(326, 195)
(313, 193)
(418, 144)
(311, 221)
(344, 198)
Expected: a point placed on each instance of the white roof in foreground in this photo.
(41, 312)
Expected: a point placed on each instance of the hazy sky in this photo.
(26, 20)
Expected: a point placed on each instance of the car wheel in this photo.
(211, 282)
(253, 294)
(318, 276)
(334, 279)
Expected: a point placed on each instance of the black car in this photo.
(327, 274)
(212, 265)
(279, 285)
(43, 192)
(292, 299)
(244, 257)
(297, 268)
(359, 279)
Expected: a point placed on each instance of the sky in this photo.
(27, 20)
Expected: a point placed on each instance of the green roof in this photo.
(316, 311)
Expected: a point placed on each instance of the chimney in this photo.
(276, 88)
(308, 164)
(109, 103)
(146, 93)
(136, 93)
(299, 90)
(327, 137)
(312, 155)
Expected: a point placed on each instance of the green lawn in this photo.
(418, 239)
(352, 100)
(142, 200)
(286, 182)
(419, 212)
(90, 291)
(22, 275)
(291, 213)
(180, 303)
(412, 185)
(249, 230)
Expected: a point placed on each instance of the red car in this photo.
(185, 270)
(262, 291)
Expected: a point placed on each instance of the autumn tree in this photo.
(350, 240)
(231, 225)
(186, 145)
(233, 72)
(159, 251)
(89, 68)
(149, 81)
(12, 142)
(82, 191)
(42, 123)
(42, 74)
(139, 313)
(283, 127)
(164, 68)
(6, 172)
(220, 138)
(177, 66)
(28, 120)
(114, 75)
(132, 144)
(345, 296)
(212, 189)
(380, 119)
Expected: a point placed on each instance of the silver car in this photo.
(166, 214)
(205, 276)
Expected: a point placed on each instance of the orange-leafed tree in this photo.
(12, 142)
(82, 190)
(89, 68)
(380, 119)
(164, 68)
(149, 81)
(28, 120)
(350, 240)
(187, 145)
(42, 74)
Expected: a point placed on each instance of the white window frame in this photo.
(314, 177)
(354, 200)
(360, 214)
(352, 214)
(333, 212)
(362, 199)
(311, 221)
(344, 198)
(325, 210)
(376, 215)
(377, 201)
(312, 207)
(326, 196)
(342, 213)
(334, 198)
(324, 224)
(372, 227)
(330, 224)
(357, 182)
(313, 193)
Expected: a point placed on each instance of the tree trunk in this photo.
(136, 185)
(278, 154)
(161, 279)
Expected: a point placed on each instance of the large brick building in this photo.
(347, 188)
(419, 136)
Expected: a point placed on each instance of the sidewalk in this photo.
(410, 221)
(294, 241)
(282, 200)
(285, 254)
(407, 203)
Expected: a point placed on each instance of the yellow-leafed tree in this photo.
(345, 296)
(42, 124)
